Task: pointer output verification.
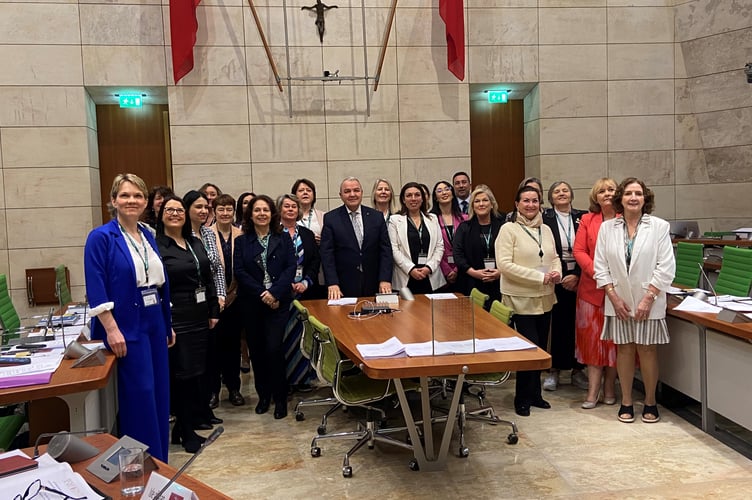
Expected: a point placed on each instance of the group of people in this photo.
(190, 274)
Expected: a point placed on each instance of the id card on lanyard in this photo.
(150, 297)
(200, 292)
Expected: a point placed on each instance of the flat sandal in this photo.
(626, 410)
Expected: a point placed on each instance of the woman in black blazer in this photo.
(265, 266)
(473, 245)
(564, 222)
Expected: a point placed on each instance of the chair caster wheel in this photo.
(413, 465)
(315, 452)
(464, 452)
(299, 416)
(512, 439)
(347, 471)
(321, 429)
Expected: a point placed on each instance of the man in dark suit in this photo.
(356, 255)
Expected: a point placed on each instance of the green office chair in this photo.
(10, 322)
(735, 277)
(353, 388)
(688, 256)
(309, 348)
(480, 298)
(61, 287)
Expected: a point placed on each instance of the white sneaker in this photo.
(579, 379)
(551, 381)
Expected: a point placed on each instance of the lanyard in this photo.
(419, 229)
(195, 261)
(449, 233)
(568, 229)
(144, 258)
(308, 219)
(629, 242)
(539, 241)
(487, 238)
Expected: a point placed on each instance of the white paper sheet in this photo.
(344, 301)
(388, 349)
(691, 304)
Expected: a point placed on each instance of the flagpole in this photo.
(382, 53)
(266, 45)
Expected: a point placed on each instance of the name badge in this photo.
(299, 274)
(450, 259)
(267, 284)
(570, 266)
(489, 263)
(150, 297)
(200, 295)
(422, 259)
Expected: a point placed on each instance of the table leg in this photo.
(427, 460)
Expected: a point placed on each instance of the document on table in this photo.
(691, 304)
(437, 348)
(737, 306)
(344, 301)
(52, 474)
(440, 296)
(391, 348)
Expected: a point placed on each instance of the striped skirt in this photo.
(650, 332)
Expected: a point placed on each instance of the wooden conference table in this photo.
(412, 323)
(103, 442)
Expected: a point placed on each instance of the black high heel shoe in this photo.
(262, 406)
(192, 442)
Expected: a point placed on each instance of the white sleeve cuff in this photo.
(96, 311)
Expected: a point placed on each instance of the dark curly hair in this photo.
(274, 226)
(647, 208)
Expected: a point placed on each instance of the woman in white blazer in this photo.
(634, 263)
(417, 245)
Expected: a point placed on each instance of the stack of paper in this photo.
(391, 348)
(394, 348)
(52, 474)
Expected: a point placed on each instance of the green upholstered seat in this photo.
(735, 277)
(689, 258)
(479, 298)
(61, 286)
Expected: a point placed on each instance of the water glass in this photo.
(131, 471)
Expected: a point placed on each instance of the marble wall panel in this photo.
(66, 226)
(50, 256)
(643, 3)
(531, 105)
(490, 4)
(121, 25)
(517, 63)
(571, 3)
(640, 97)
(429, 171)
(2, 195)
(656, 168)
(533, 138)
(720, 200)
(362, 141)
(208, 105)
(640, 133)
(572, 62)
(579, 170)
(42, 106)
(427, 65)
(39, 23)
(640, 24)
(572, 99)
(4, 267)
(717, 53)
(232, 178)
(665, 202)
(277, 178)
(708, 17)
(532, 166)
(95, 196)
(218, 25)
(103, 65)
(517, 26)
(282, 143)
(729, 164)
(349, 61)
(683, 102)
(347, 103)
(51, 187)
(721, 91)
(367, 171)
(41, 65)
(92, 146)
(726, 128)
(434, 139)
(268, 105)
(210, 144)
(572, 26)
(680, 68)
(45, 147)
(214, 66)
(687, 133)
(572, 135)
(640, 61)
(418, 28)
(434, 102)
(690, 166)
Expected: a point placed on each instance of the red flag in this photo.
(183, 27)
(453, 14)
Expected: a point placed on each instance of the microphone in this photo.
(712, 289)
(212, 437)
(101, 430)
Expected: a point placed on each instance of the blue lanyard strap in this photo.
(145, 257)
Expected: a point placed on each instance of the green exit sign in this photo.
(498, 96)
(131, 101)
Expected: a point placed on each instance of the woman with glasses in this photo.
(450, 216)
(195, 311)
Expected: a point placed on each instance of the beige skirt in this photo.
(650, 332)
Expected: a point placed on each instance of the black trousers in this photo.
(563, 317)
(533, 327)
(265, 328)
(224, 351)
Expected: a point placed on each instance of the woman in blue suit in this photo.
(130, 309)
(265, 265)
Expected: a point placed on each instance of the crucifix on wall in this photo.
(320, 8)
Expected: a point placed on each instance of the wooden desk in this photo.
(104, 441)
(89, 393)
(413, 324)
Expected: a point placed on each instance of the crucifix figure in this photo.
(320, 8)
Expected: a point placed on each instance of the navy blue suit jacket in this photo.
(280, 264)
(357, 271)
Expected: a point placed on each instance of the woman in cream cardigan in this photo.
(634, 263)
(417, 245)
(530, 268)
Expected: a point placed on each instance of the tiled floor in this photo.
(564, 452)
